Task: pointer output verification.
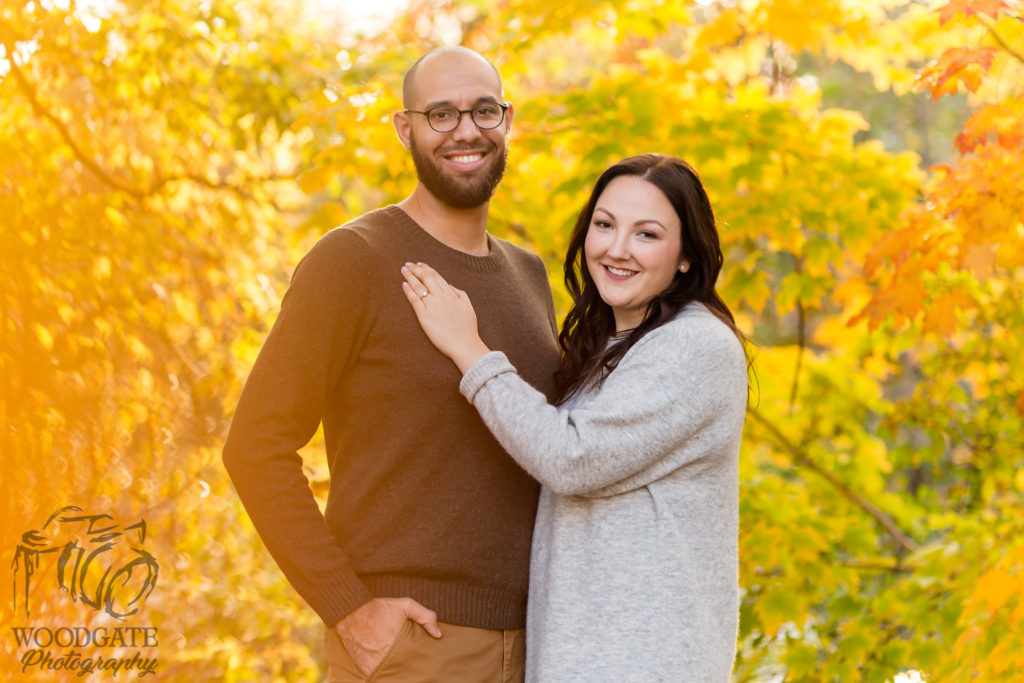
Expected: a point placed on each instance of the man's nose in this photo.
(466, 130)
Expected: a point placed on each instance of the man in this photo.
(419, 563)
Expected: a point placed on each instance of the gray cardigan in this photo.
(634, 574)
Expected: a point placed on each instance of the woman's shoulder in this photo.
(695, 326)
(694, 340)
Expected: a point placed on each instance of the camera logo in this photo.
(99, 562)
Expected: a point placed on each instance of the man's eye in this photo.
(441, 115)
(488, 110)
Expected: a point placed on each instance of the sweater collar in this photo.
(493, 261)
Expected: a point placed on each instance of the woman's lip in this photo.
(614, 276)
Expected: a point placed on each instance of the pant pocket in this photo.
(341, 668)
(395, 651)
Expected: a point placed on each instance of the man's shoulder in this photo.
(518, 255)
(361, 239)
(371, 228)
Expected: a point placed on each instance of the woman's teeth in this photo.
(620, 271)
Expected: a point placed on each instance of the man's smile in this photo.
(465, 160)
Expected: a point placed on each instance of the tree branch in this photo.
(999, 39)
(63, 131)
(867, 506)
(801, 337)
(878, 567)
(223, 185)
(65, 134)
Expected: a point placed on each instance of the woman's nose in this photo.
(619, 247)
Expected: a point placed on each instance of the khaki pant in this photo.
(462, 655)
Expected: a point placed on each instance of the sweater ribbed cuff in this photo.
(486, 367)
(334, 601)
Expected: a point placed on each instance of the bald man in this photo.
(418, 565)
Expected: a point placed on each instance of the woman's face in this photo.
(633, 247)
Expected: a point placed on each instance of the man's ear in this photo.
(508, 118)
(403, 128)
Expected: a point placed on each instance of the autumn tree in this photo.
(165, 164)
(146, 184)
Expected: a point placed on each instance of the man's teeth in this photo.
(467, 158)
(620, 271)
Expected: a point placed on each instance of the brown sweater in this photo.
(423, 501)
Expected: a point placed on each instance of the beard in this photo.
(459, 192)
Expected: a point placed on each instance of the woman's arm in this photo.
(677, 396)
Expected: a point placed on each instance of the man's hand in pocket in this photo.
(369, 631)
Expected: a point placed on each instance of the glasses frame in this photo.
(458, 121)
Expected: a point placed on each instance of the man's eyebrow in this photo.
(448, 103)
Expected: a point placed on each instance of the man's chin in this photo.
(464, 191)
(459, 190)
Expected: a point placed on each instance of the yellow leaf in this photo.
(44, 336)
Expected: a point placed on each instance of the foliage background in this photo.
(164, 164)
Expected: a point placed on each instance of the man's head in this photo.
(460, 167)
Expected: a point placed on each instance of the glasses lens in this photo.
(443, 120)
(488, 116)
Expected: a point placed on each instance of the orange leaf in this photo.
(957, 64)
(941, 315)
(939, 319)
(981, 259)
(904, 298)
(1000, 120)
(970, 7)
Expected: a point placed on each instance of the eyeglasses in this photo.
(446, 119)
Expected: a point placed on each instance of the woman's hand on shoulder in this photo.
(445, 313)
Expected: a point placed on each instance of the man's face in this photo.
(461, 168)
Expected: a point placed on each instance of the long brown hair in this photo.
(590, 323)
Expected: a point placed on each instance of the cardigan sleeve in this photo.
(676, 397)
(315, 339)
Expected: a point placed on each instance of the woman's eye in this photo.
(647, 235)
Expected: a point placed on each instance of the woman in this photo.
(634, 564)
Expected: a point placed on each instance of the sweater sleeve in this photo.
(312, 343)
(677, 396)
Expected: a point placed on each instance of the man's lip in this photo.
(462, 152)
(450, 158)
